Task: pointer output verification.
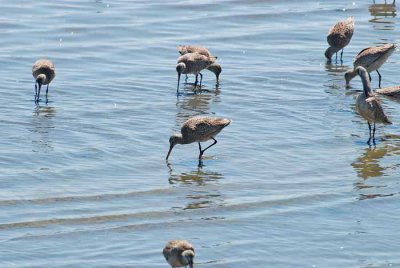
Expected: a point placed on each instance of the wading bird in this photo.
(179, 253)
(371, 59)
(369, 106)
(44, 72)
(338, 37)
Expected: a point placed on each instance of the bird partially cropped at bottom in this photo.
(369, 106)
(198, 129)
(179, 253)
(44, 72)
(371, 58)
(192, 63)
(215, 67)
(339, 37)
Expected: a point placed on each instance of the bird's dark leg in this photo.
(373, 133)
(47, 91)
(380, 77)
(38, 95)
(341, 55)
(370, 78)
(369, 127)
(35, 92)
(186, 78)
(336, 57)
(195, 82)
(201, 78)
(202, 151)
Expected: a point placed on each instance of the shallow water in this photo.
(291, 182)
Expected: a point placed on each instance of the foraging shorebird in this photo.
(179, 253)
(215, 67)
(338, 37)
(44, 72)
(368, 105)
(192, 63)
(393, 91)
(371, 58)
(198, 129)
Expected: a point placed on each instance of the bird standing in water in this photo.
(371, 58)
(192, 63)
(215, 67)
(44, 72)
(198, 129)
(369, 106)
(339, 37)
(179, 253)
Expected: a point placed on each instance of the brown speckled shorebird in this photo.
(368, 105)
(393, 91)
(198, 129)
(215, 67)
(192, 63)
(338, 37)
(179, 253)
(44, 72)
(370, 58)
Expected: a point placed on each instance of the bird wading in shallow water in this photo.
(371, 58)
(44, 72)
(179, 253)
(339, 37)
(369, 106)
(215, 67)
(198, 129)
(192, 63)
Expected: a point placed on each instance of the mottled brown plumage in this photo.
(179, 253)
(368, 105)
(215, 67)
(185, 49)
(393, 91)
(44, 72)
(371, 58)
(198, 129)
(192, 63)
(339, 36)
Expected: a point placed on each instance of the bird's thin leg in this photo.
(47, 91)
(186, 78)
(35, 92)
(336, 57)
(202, 152)
(380, 77)
(370, 78)
(195, 82)
(38, 95)
(373, 133)
(341, 56)
(369, 127)
(201, 78)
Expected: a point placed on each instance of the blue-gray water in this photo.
(291, 182)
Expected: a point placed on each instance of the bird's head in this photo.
(180, 67)
(216, 69)
(348, 76)
(173, 140)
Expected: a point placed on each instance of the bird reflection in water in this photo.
(42, 125)
(336, 74)
(207, 195)
(380, 11)
(369, 165)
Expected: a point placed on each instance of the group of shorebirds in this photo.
(195, 59)
(367, 60)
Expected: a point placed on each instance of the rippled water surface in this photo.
(291, 182)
